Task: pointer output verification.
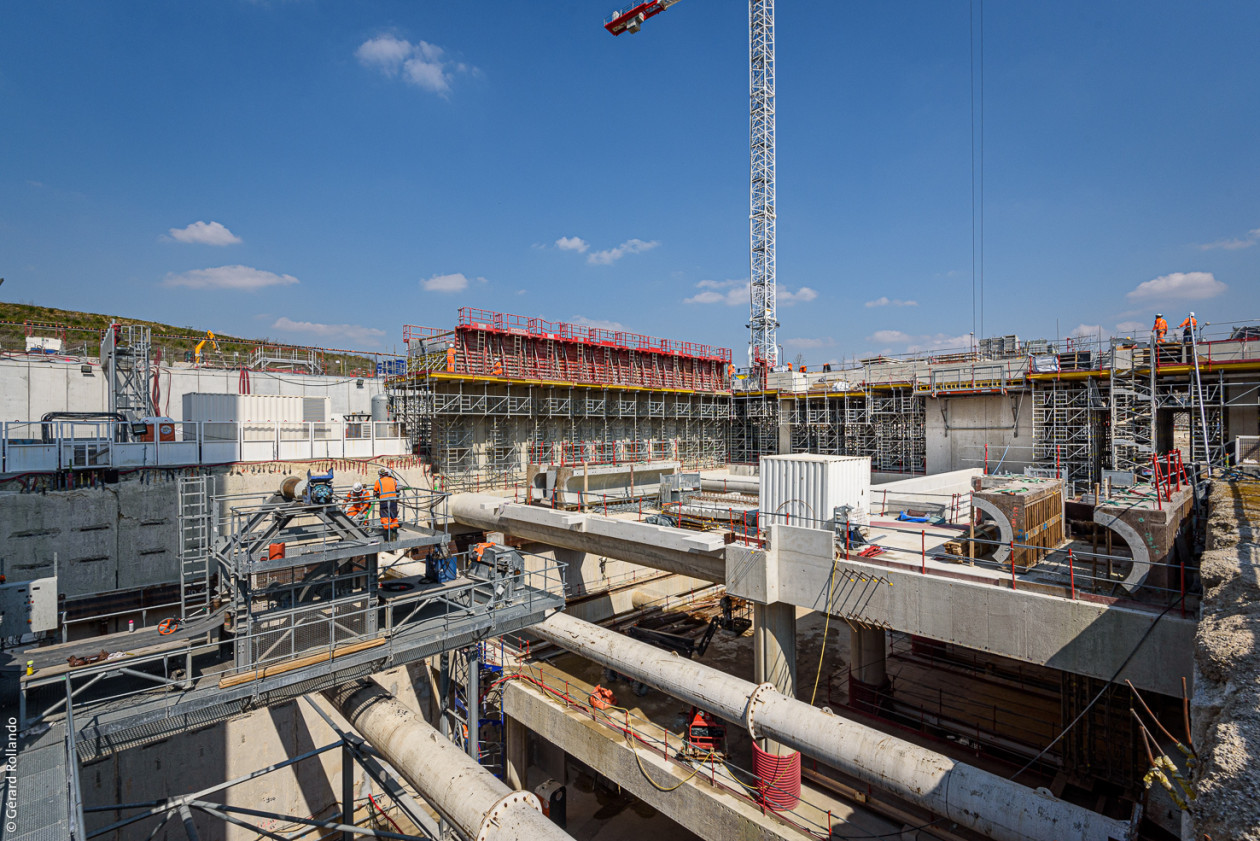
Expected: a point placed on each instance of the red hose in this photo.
(778, 778)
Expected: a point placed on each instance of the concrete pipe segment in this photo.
(680, 551)
(467, 795)
(986, 803)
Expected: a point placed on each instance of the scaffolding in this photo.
(499, 393)
(125, 350)
(753, 431)
(1067, 430)
(1132, 392)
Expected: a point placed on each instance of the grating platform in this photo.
(46, 793)
(432, 626)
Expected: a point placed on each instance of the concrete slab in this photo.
(1084, 637)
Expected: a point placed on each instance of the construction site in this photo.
(528, 579)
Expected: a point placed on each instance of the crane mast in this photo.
(763, 322)
(763, 346)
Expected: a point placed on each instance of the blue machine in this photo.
(319, 489)
(439, 569)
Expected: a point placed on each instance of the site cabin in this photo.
(631, 18)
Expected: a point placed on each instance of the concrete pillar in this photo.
(868, 662)
(774, 651)
(516, 753)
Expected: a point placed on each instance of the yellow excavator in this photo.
(208, 339)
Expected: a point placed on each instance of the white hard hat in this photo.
(382, 472)
(358, 486)
(1192, 315)
(1159, 315)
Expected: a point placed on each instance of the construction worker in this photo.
(357, 502)
(1188, 327)
(450, 359)
(386, 490)
(1161, 327)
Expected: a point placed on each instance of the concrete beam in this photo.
(700, 807)
(697, 554)
(1083, 637)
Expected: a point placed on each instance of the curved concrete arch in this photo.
(1001, 554)
(1137, 547)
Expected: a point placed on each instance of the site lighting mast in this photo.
(763, 347)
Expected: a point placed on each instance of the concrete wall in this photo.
(973, 422)
(29, 387)
(106, 538)
(125, 535)
(195, 760)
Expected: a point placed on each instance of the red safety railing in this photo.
(475, 318)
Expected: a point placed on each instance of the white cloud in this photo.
(611, 255)
(920, 343)
(353, 333)
(1252, 237)
(890, 337)
(1187, 285)
(422, 64)
(447, 283)
(736, 292)
(884, 301)
(583, 321)
(228, 277)
(1127, 327)
(573, 244)
(1085, 331)
(205, 233)
(787, 297)
(809, 344)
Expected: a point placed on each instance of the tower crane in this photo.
(763, 347)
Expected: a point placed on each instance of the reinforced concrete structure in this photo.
(1025, 571)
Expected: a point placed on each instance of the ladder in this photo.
(1198, 386)
(194, 547)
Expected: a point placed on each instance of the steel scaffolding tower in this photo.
(125, 358)
(1066, 434)
(1132, 405)
(763, 320)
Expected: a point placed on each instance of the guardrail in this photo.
(52, 446)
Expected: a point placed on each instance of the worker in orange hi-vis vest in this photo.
(450, 360)
(357, 502)
(386, 490)
(1161, 327)
(1187, 329)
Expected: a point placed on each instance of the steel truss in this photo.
(354, 752)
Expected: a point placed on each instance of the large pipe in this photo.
(468, 796)
(652, 546)
(736, 484)
(986, 803)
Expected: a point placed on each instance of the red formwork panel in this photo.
(495, 344)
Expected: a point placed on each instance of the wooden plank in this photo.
(301, 662)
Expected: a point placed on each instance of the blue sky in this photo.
(326, 172)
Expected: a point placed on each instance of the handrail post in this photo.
(1071, 574)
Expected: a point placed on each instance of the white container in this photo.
(806, 489)
(254, 408)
